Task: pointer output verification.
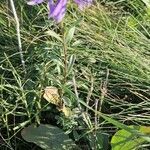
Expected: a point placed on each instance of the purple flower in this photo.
(83, 3)
(57, 9)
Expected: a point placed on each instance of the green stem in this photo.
(64, 54)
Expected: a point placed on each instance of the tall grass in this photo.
(111, 70)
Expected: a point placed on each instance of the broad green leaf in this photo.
(125, 140)
(47, 137)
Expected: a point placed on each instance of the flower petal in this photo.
(83, 3)
(57, 10)
(35, 2)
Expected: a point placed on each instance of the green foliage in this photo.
(98, 60)
(70, 35)
(47, 137)
(124, 140)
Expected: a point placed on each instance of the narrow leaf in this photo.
(53, 34)
(71, 63)
(70, 34)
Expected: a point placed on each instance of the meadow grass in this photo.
(110, 71)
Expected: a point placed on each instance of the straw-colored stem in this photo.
(18, 33)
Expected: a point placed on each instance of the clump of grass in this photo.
(111, 71)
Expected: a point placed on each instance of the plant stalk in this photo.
(18, 33)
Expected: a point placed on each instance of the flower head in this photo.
(57, 9)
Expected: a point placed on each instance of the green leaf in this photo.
(147, 3)
(125, 140)
(47, 137)
(70, 35)
(71, 63)
(125, 127)
(53, 34)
